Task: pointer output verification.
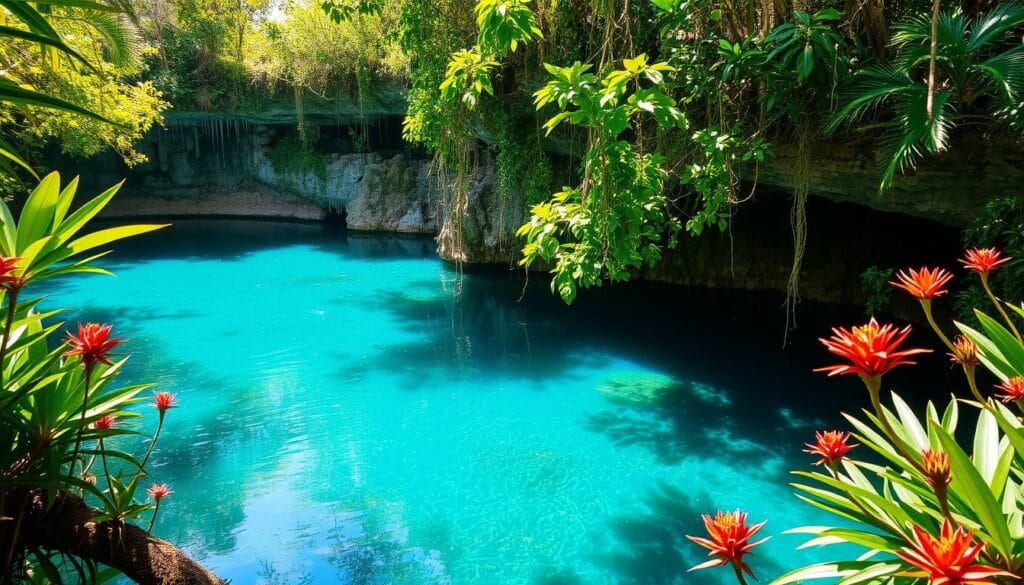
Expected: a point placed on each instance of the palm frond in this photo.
(917, 133)
(1006, 72)
(993, 25)
(913, 40)
(120, 39)
(869, 89)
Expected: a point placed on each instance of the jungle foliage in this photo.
(618, 122)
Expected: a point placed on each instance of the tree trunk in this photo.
(930, 103)
(68, 526)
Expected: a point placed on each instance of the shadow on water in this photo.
(681, 421)
(649, 548)
(732, 382)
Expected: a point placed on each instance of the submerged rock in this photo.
(637, 388)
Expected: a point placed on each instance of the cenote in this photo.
(352, 410)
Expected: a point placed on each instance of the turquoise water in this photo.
(354, 411)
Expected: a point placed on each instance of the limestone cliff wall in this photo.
(210, 167)
(948, 188)
(225, 168)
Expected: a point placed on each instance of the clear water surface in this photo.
(354, 411)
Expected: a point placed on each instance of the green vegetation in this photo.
(293, 156)
(68, 70)
(652, 112)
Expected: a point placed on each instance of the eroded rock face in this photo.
(226, 169)
(488, 225)
(948, 188)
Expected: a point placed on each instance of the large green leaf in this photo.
(1006, 342)
(37, 215)
(103, 237)
(10, 153)
(19, 95)
(984, 503)
(35, 21)
(8, 231)
(77, 220)
(837, 570)
(47, 40)
(989, 353)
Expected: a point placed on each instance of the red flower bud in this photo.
(158, 491)
(983, 260)
(871, 349)
(924, 284)
(831, 446)
(93, 344)
(105, 422)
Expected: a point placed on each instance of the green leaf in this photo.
(64, 200)
(989, 353)
(77, 220)
(8, 231)
(47, 40)
(1005, 341)
(969, 482)
(37, 215)
(24, 12)
(805, 63)
(19, 95)
(986, 451)
(832, 571)
(8, 152)
(109, 235)
(915, 431)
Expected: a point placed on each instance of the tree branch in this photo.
(68, 526)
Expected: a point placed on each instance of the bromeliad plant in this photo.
(925, 509)
(60, 405)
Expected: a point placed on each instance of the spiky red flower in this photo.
(871, 349)
(1013, 389)
(924, 284)
(965, 352)
(983, 260)
(831, 446)
(93, 344)
(949, 559)
(164, 401)
(8, 268)
(729, 540)
(105, 422)
(935, 467)
(159, 491)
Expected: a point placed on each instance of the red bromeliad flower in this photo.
(983, 260)
(935, 467)
(949, 559)
(164, 401)
(965, 352)
(831, 446)
(729, 540)
(8, 266)
(93, 344)
(159, 491)
(871, 349)
(924, 284)
(105, 422)
(1013, 389)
